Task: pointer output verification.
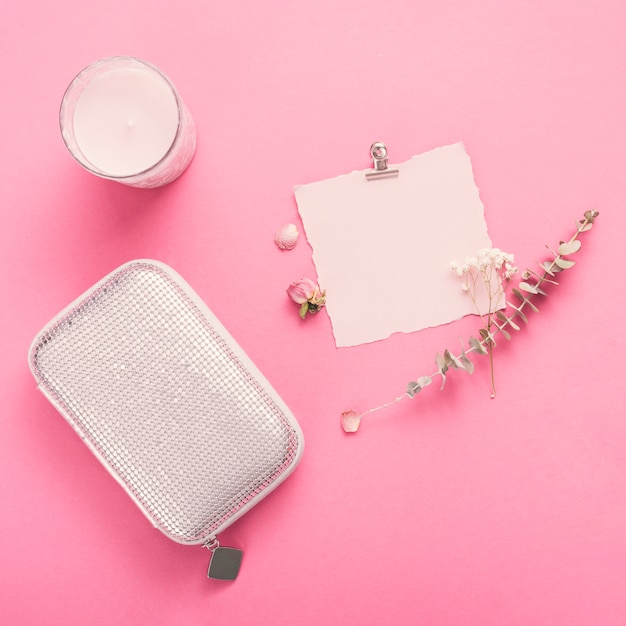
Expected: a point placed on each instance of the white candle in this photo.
(122, 119)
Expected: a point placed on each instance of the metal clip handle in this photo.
(378, 151)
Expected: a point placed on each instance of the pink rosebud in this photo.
(307, 294)
(350, 421)
(302, 290)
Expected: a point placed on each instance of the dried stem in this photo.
(525, 292)
(493, 378)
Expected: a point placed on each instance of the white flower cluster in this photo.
(488, 259)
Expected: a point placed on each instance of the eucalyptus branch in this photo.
(499, 322)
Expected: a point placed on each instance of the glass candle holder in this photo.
(122, 119)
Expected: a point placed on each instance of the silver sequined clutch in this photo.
(169, 403)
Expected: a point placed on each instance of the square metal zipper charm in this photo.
(225, 563)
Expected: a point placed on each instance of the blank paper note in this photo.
(382, 248)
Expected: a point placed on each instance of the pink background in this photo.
(450, 509)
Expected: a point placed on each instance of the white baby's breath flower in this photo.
(492, 267)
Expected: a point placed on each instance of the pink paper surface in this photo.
(449, 509)
(383, 248)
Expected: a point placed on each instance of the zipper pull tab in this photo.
(225, 562)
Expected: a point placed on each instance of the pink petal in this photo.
(350, 421)
(286, 237)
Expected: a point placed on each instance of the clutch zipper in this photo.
(225, 562)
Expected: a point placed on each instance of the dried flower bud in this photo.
(286, 237)
(300, 291)
(308, 295)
